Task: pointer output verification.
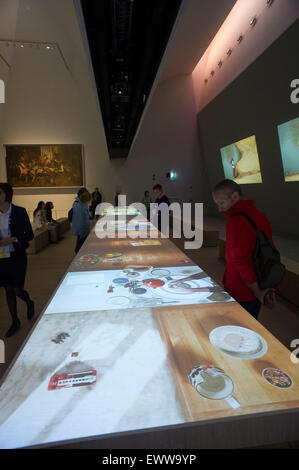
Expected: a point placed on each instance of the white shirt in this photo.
(5, 232)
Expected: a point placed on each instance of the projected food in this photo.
(241, 161)
(277, 377)
(289, 145)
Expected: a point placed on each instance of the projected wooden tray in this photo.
(185, 332)
(98, 254)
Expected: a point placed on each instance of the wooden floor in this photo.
(47, 268)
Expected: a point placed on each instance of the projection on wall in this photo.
(241, 161)
(289, 145)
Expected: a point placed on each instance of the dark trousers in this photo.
(253, 307)
(79, 243)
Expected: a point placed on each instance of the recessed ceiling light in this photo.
(229, 52)
(253, 21)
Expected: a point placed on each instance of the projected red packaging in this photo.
(74, 379)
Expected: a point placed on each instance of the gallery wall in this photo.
(271, 23)
(167, 141)
(255, 104)
(48, 100)
(51, 99)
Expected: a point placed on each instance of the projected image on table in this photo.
(134, 225)
(88, 374)
(135, 287)
(289, 145)
(123, 253)
(241, 161)
(123, 210)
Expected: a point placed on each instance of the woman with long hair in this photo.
(39, 216)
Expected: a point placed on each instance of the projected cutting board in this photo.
(123, 253)
(185, 332)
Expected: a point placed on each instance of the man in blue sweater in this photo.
(80, 219)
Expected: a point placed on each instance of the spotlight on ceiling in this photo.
(206, 80)
(220, 63)
(229, 52)
(212, 73)
(240, 39)
(253, 21)
(270, 2)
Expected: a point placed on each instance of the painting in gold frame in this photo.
(45, 166)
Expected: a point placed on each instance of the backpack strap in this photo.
(248, 218)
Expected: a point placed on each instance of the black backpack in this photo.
(70, 215)
(266, 259)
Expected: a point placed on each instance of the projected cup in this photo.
(212, 382)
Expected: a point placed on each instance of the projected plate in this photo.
(238, 342)
(186, 289)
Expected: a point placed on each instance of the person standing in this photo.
(96, 198)
(239, 278)
(160, 198)
(80, 219)
(39, 216)
(147, 200)
(15, 234)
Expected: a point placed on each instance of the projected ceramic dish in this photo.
(153, 283)
(238, 342)
(120, 280)
(213, 383)
(88, 260)
(219, 297)
(184, 289)
(119, 301)
(160, 272)
(277, 378)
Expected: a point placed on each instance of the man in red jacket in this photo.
(239, 278)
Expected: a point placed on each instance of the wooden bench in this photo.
(289, 287)
(40, 241)
(53, 232)
(65, 224)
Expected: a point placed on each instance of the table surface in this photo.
(141, 357)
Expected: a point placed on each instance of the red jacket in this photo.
(240, 244)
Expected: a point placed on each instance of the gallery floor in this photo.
(46, 269)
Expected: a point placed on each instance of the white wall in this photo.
(167, 140)
(47, 103)
(271, 23)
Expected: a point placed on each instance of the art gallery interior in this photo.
(121, 97)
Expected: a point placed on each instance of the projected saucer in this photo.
(238, 342)
(119, 301)
(184, 290)
(88, 260)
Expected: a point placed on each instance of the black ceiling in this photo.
(127, 39)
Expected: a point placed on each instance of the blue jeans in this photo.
(253, 307)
